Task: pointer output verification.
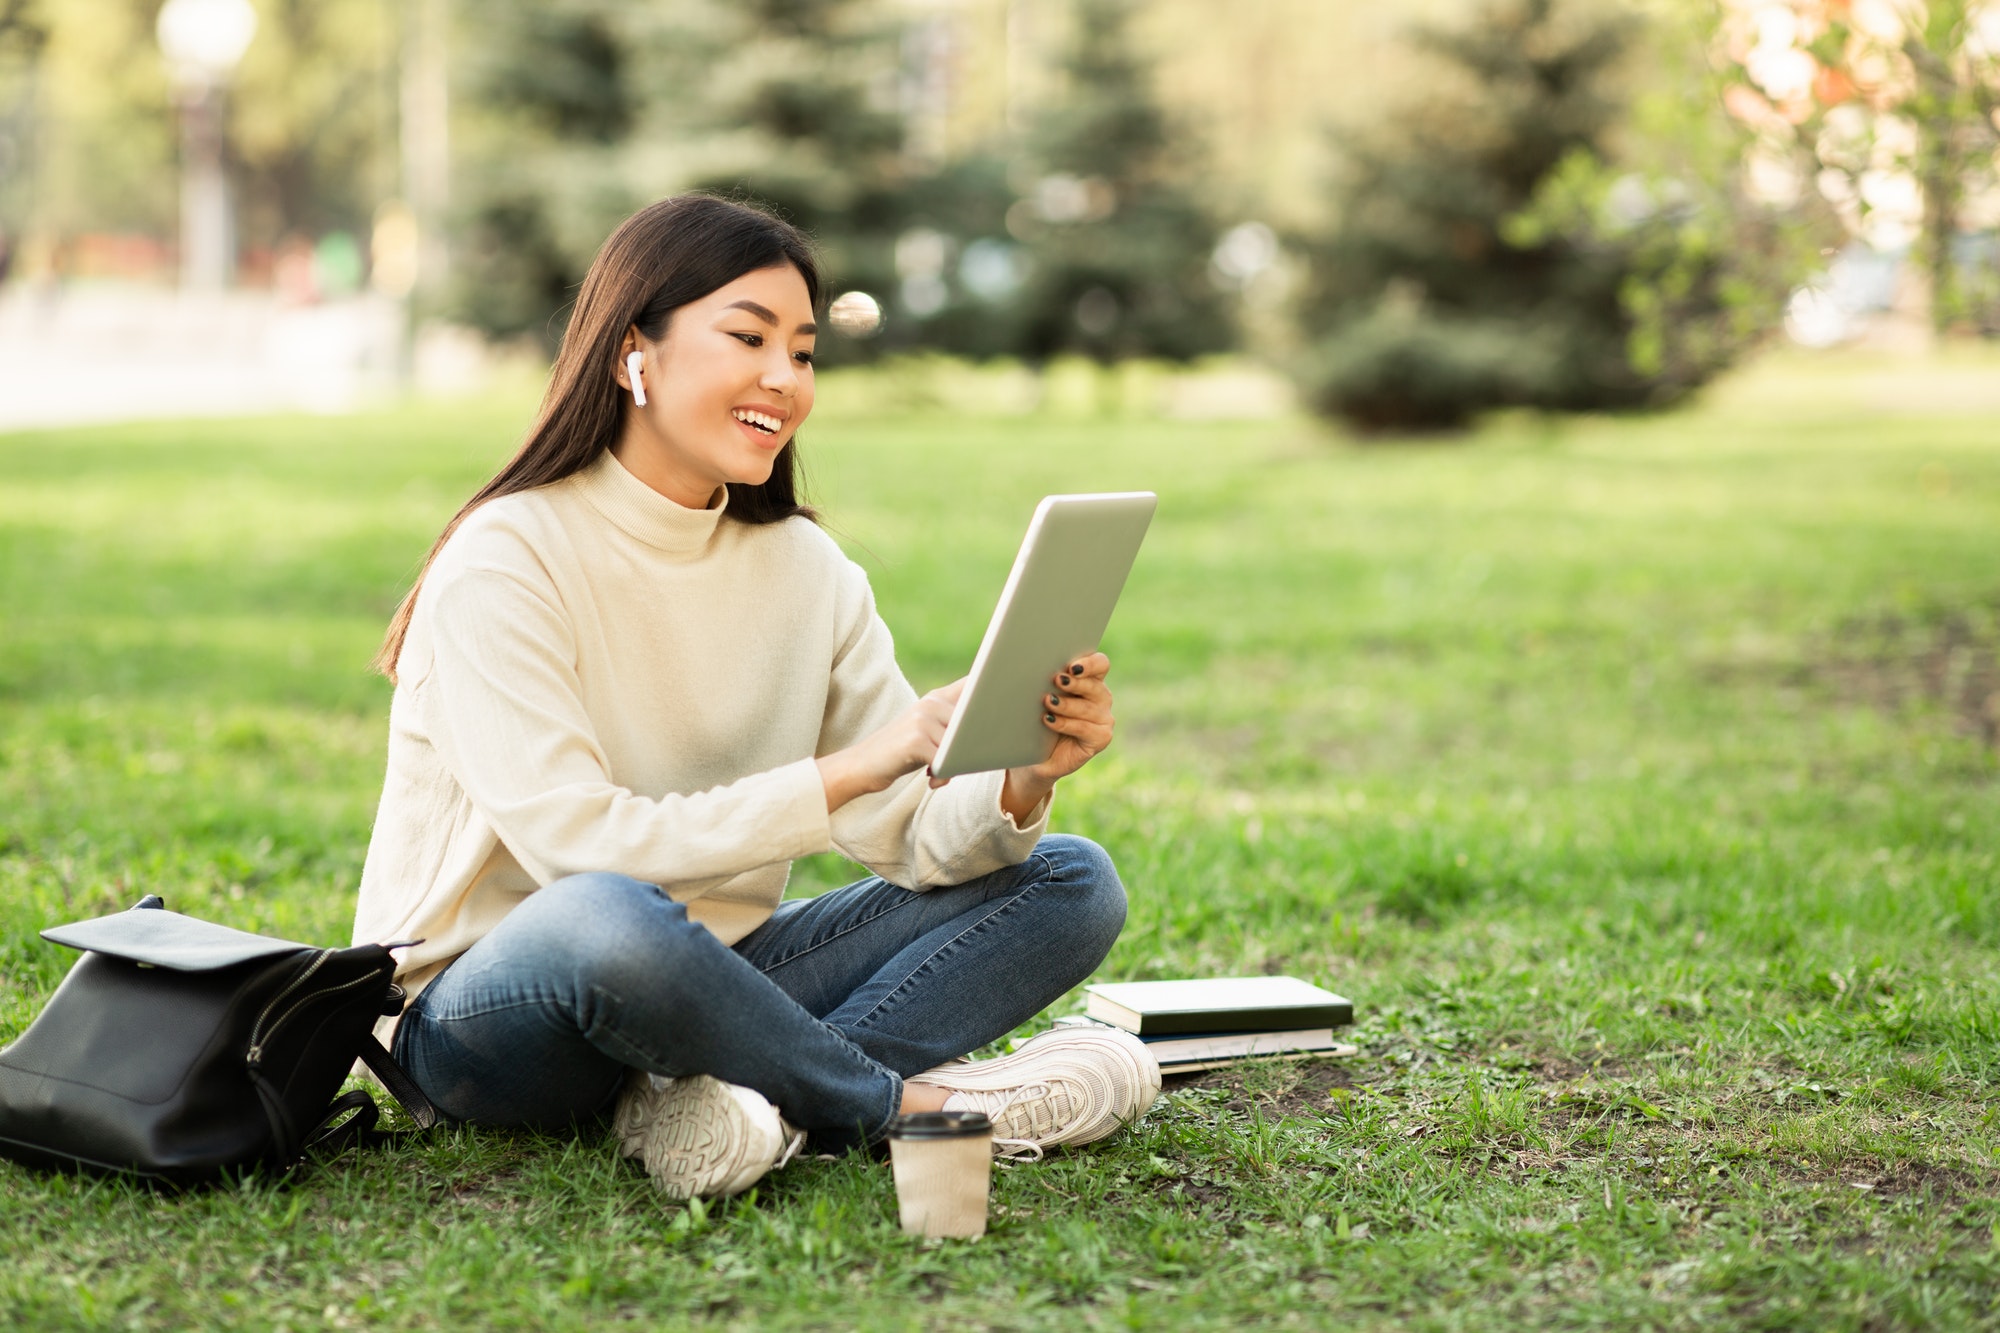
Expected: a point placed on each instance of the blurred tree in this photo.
(1896, 108)
(313, 123)
(85, 99)
(21, 25)
(24, 31)
(1490, 249)
(1119, 241)
(546, 106)
(576, 112)
(98, 134)
(801, 112)
(959, 273)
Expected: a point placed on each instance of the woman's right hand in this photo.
(905, 745)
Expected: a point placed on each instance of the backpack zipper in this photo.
(260, 1034)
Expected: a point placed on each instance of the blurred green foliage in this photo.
(88, 140)
(538, 175)
(23, 37)
(799, 111)
(1867, 99)
(1091, 238)
(1123, 270)
(1513, 236)
(1550, 217)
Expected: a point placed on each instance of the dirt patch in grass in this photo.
(1566, 1069)
(1903, 1178)
(1202, 1196)
(1282, 1088)
(1891, 661)
(496, 1191)
(1932, 1179)
(1684, 1157)
(1949, 658)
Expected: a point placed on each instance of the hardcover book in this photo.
(1191, 1054)
(1217, 1005)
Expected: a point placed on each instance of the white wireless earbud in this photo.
(632, 361)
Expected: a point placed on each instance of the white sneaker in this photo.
(1067, 1085)
(699, 1137)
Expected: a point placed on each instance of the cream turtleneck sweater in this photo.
(596, 678)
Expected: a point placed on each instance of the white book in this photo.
(1238, 1045)
(1186, 1055)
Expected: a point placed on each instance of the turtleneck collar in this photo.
(645, 515)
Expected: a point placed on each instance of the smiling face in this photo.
(726, 387)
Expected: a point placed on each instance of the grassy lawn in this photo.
(1637, 779)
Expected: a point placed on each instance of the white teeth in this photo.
(769, 425)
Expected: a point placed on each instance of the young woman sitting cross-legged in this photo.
(634, 681)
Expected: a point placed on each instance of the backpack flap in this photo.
(159, 938)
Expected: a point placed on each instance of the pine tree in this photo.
(549, 102)
(1119, 242)
(798, 112)
(1488, 249)
(581, 111)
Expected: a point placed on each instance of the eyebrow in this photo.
(763, 313)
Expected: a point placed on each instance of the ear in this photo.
(627, 345)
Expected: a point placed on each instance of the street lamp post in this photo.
(203, 40)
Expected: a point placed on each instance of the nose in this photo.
(780, 374)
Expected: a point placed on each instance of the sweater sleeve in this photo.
(498, 694)
(909, 834)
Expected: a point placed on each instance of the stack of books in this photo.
(1196, 1025)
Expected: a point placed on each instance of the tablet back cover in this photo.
(1054, 609)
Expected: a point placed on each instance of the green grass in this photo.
(1636, 778)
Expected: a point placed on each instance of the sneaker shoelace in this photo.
(1043, 1108)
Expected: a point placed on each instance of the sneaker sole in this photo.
(697, 1138)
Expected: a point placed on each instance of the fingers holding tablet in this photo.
(1095, 666)
(1086, 684)
(1079, 711)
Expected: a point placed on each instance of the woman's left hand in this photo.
(1077, 709)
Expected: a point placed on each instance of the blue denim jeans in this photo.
(825, 1008)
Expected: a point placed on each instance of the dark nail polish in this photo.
(1076, 668)
(1054, 702)
(1048, 717)
(1062, 680)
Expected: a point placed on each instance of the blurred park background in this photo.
(1571, 627)
(1402, 215)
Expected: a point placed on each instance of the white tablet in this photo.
(1058, 599)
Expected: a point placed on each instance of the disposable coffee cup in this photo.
(943, 1162)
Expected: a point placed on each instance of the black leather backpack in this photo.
(177, 1051)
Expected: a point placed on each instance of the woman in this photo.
(634, 680)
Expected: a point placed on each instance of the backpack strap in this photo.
(400, 1085)
(351, 1118)
(334, 1135)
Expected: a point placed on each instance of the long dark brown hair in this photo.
(658, 260)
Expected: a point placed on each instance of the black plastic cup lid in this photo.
(941, 1125)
